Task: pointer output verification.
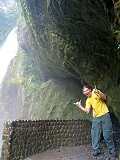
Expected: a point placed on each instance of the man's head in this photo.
(87, 90)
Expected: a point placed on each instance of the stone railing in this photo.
(23, 138)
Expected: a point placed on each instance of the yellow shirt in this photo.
(98, 105)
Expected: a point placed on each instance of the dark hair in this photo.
(87, 86)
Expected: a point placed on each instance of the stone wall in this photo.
(23, 138)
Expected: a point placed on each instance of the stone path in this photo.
(73, 153)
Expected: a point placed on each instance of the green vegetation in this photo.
(52, 98)
(26, 76)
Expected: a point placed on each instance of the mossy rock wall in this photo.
(31, 95)
(74, 38)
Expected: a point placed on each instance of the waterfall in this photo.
(7, 52)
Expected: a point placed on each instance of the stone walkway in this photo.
(73, 153)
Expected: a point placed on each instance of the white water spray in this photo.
(8, 51)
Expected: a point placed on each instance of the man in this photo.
(101, 119)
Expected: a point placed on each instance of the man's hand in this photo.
(78, 103)
(102, 96)
(81, 107)
(95, 90)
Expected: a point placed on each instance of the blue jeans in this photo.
(104, 124)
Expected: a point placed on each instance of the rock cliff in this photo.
(67, 44)
(75, 39)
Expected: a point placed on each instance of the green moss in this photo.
(114, 100)
(59, 100)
